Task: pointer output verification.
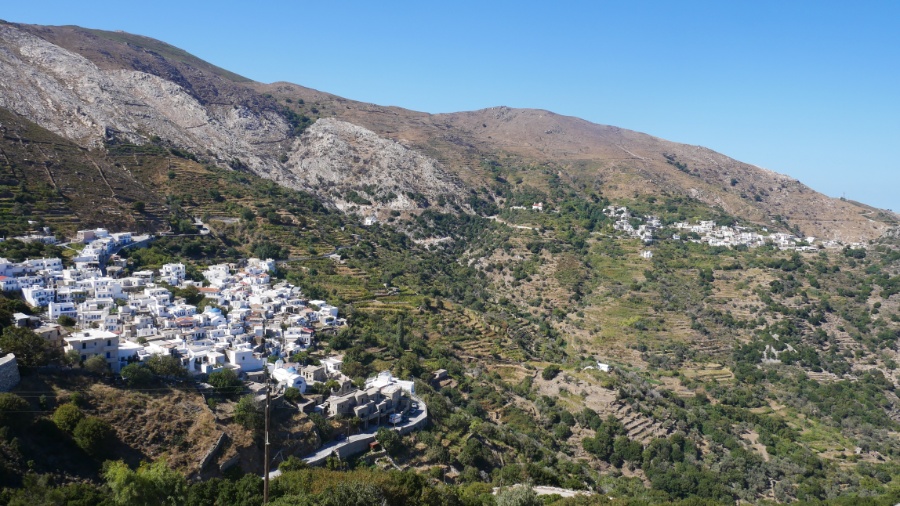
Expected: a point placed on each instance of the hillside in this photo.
(99, 88)
(576, 354)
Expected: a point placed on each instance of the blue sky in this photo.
(808, 89)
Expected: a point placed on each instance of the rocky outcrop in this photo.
(69, 95)
(338, 158)
(353, 168)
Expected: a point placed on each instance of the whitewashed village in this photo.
(263, 331)
(647, 228)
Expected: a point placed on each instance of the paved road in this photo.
(542, 490)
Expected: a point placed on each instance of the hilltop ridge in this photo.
(99, 88)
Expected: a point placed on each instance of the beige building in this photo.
(90, 343)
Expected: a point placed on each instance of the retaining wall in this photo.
(9, 373)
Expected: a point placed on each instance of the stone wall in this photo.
(211, 454)
(9, 373)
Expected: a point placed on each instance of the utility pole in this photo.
(266, 442)
(266, 451)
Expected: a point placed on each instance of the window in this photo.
(108, 355)
(83, 346)
(109, 342)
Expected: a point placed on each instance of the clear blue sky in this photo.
(808, 89)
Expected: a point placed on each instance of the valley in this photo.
(560, 347)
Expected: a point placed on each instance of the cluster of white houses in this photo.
(625, 221)
(127, 319)
(707, 232)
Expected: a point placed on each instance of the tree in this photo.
(30, 349)
(93, 435)
(322, 425)
(166, 366)
(292, 463)
(351, 494)
(13, 411)
(247, 414)
(521, 495)
(389, 440)
(137, 375)
(67, 416)
(150, 484)
(66, 321)
(292, 394)
(550, 372)
(72, 358)
(267, 249)
(97, 365)
(226, 382)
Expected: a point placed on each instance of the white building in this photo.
(92, 343)
(288, 377)
(172, 273)
(37, 296)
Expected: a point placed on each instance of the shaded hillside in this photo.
(49, 180)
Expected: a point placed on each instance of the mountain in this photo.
(98, 89)
(557, 348)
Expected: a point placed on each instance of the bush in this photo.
(166, 366)
(226, 382)
(93, 435)
(292, 394)
(149, 484)
(247, 414)
(389, 440)
(292, 463)
(67, 416)
(13, 411)
(66, 321)
(550, 372)
(137, 375)
(97, 365)
(521, 495)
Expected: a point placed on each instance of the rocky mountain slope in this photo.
(99, 89)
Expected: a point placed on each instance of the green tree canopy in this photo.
(166, 366)
(30, 349)
(67, 416)
(97, 365)
(226, 382)
(137, 375)
(247, 414)
(389, 440)
(13, 411)
(93, 435)
(149, 485)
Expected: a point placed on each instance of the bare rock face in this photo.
(338, 158)
(69, 95)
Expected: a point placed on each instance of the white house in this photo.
(385, 378)
(172, 273)
(37, 296)
(55, 310)
(288, 377)
(245, 359)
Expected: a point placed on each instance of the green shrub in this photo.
(93, 435)
(550, 372)
(67, 416)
